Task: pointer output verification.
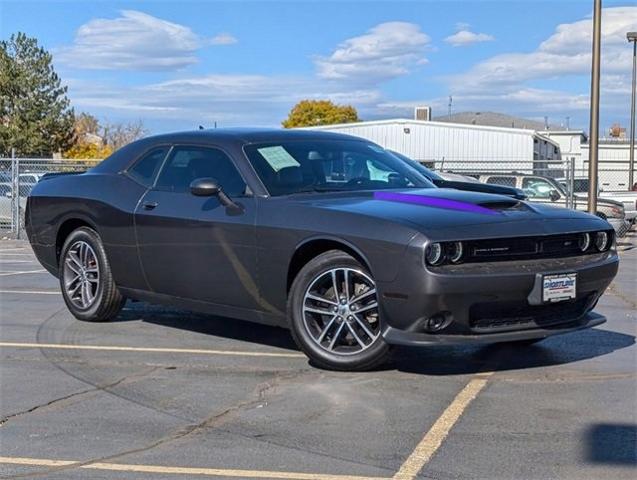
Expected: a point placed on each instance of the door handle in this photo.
(149, 205)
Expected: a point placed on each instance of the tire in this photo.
(339, 339)
(93, 295)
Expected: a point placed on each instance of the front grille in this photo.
(519, 315)
(525, 248)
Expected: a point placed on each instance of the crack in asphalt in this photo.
(211, 421)
(132, 377)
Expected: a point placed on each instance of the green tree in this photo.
(35, 115)
(312, 113)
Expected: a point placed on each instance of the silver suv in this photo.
(549, 191)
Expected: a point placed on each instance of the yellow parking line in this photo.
(115, 348)
(6, 274)
(439, 431)
(158, 469)
(33, 292)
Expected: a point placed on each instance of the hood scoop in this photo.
(504, 205)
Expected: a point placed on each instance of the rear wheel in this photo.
(86, 280)
(334, 313)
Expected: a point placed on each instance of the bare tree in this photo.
(116, 135)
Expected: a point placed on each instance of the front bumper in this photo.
(491, 301)
(400, 337)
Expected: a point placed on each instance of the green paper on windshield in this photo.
(278, 158)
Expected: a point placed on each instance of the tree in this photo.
(87, 150)
(116, 135)
(311, 113)
(35, 115)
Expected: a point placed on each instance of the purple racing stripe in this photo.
(433, 202)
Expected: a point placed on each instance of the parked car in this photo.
(549, 191)
(459, 182)
(260, 225)
(6, 204)
(627, 198)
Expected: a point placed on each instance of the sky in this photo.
(176, 65)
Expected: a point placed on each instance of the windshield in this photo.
(330, 165)
(430, 174)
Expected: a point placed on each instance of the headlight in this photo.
(454, 251)
(584, 241)
(433, 254)
(601, 241)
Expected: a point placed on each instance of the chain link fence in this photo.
(555, 181)
(17, 177)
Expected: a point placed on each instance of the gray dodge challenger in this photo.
(347, 245)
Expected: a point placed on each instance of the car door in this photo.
(194, 247)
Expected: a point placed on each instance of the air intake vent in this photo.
(422, 113)
(503, 205)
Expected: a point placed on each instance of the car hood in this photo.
(439, 212)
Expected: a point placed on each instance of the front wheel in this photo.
(86, 280)
(334, 314)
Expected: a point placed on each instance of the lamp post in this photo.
(632, 37)
(594, 125)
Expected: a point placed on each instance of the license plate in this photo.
(556, 288)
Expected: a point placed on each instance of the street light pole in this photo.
(632, 37)
(594, 125)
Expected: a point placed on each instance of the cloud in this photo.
(464, 36)
(386, 51)
(135, 41)
(228, 99)
(223, 39)
(566, 52)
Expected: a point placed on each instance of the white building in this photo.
(613, 157)
(460, 147)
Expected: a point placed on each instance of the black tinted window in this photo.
(190, 163)
(146, 168)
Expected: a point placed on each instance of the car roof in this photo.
(251, 135)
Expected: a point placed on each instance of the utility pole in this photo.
(594, 124)
(632, 37)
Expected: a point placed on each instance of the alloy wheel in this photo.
(340, 311)
(81, 275)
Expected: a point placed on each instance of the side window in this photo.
(505, 181)
(190, 163)
(145, 169)
(537, 187)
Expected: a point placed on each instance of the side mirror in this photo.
(208, 187)
(205, 187)
(554, 195)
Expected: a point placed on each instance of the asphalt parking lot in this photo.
(162, 393)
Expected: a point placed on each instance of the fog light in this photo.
(601, 241)
(433, 254)
(438, 322)
(455, 252)
(584, 241)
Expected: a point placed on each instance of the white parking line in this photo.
(195, 351)
(6, 274)
(190, 471)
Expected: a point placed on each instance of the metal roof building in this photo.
(457, 147)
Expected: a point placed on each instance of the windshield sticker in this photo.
(278, 157)
(433, 202)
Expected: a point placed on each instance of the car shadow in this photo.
(215, 326)
(614, 444)
(435, 360)
(558, 350)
